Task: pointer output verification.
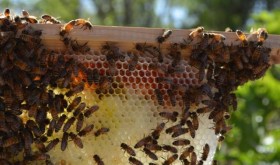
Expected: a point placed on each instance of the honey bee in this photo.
(150, 154)
(262, 35)
(52, 144)
(205, 152)
(60, 122)
(181, 142)
(153, 147)
(143, 141)
(64, 141)
(195, 120)
(152, 164)
(134, 161)
(67, 28)
(180, 132)
(40, 145)
(10, 141)
(48, 18)
(51, 127)
(169, 148)
(169, 115)
(170, 160)
(91, 110)
(206, 89)
(68, 124)
(166, 34)
(133, 62)
(77, 89)
(242, 37)
(85, 24)
(79, 109)
(73, 104)
(86, 130)
(200, 162)
(7, 13)
(185, 162)
(159, 96)
(203, 110)
(186, 152)
(28, 18)
(197, 33)
(98, 160)
(80, 122)
(102, 130)
(158, 130)
(96, 76)
(193, 158)
(76, 139)
(128, 149)
(191, 128)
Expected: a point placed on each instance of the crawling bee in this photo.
(91, 110)
(197, 33)
(205, 152)
(28, 18)
(65, 29)
(86, 130)
(98, 160)
(187, 152)
(173, 128)
(49, 18)
(133, 62)
(242, 37)
(64, 141)
(169, 148)
(169, 115)
(76, 139)
(68, 123)
(159, 96)
(80, 122)
(153, 147)
(166, 34)
(128, 149)
(52, 144)
(158, 130)
(60, 122)
(143, 141)
(181, 142)
(135, 161)
(193, 158)
(102, 130)
(73, 104)
(191, 128)
(85, 24)
(150, 154)
(195, 120)
(262, 35)
(170, 160)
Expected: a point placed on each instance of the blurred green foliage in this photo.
(255, 138)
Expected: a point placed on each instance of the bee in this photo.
(68, 124)
(52, 144)
(134, 161)
(48, 18)
(159, 96)
(191, 128)
(216, 115)
(173, 128)
(143, 141)
(7, 13)
(133, 62)
(128, 149)
(85, 24)
(153, 147)
(203, 110)
(98, 160)
(60, 122)
(51, 127)
(80, 122)
(102, 130)
(150, 154)
(180, 132)
(197, 33)
(158, 130)
(206, 89)
(169, 148)
(217, 37)
(40, 145)
(152, 164)
(22, 65)
(169, 115)
(186, 152)
(79, 48)
(166, 34)
(172, 97)
(170, 160)
(95, 76)
(181, 142)
(64, 141)
(242, 37)
(200, 162)
(205, 152)
(86, 130)
(34, 128)
(89, 75)
(193, 158)
(67, 28)
(28, 18)
(186, 162)
(195, 120)
(79, 109)
(76, 139)
(73, 104)
(262, 35)
(10, 141)
(91, 110)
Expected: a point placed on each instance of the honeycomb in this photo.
(149, 104)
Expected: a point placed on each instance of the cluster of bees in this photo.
(32, 113)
